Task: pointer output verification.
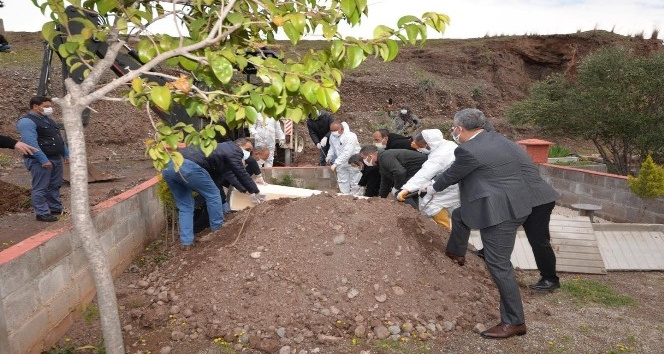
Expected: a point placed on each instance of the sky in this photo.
(469, 18)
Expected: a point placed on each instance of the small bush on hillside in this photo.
(559, 151)
(650, 182)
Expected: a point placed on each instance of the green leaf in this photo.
(235, 18)
(382, 31)
(291, 32)
(172, 141)
(361, 5)
(329, 30)
(257, 101)
(104, 6)
(188, 64)
(321, 96)
(146, 51)
(269, 101)
(251, 113)
(292, 82)
(412, 31)
(222, 68)
(348, 7)
(333, 99)
(295, 114)
(393, 49)
(161, 96)
(405, 19)
(355, 56)
(308, 90)
(337, 50)
(177, 158)
(229, 114)
(137, 85)
(277, 83)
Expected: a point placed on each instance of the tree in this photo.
(224, 38)
(650, 182)
(616, 101)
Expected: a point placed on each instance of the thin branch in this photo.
(148, 110)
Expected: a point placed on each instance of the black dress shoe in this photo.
(504, 330)
(461, 260)
(545, 285)
(46, 218)
(479, 253)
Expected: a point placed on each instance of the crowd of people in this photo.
(477, 180)
(480, 180)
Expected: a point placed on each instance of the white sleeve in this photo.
(279, 133)
(347, 150)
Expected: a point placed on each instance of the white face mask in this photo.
(48, 111)
(380, 145)
(335, 133)
(355, 168)
(424, 151)
(245, 154)
(261, 162)
(456, 137)
(367, 161)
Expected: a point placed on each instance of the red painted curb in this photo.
(584, 171)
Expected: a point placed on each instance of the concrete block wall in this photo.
(609, 191)
(45, 281)
(314, 177)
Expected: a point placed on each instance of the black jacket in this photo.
(370, 181)
(225, 162)
(398, 141)
(397, 167)
(320, 127)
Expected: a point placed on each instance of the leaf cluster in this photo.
(650, 182)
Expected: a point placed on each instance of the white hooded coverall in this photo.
(265, 133)
(347, 177)
(440, 159)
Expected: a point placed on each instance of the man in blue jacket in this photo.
(38, 130)
(199, 173)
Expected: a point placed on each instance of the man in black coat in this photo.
(396, 167)
(383, 139)
(319, 131)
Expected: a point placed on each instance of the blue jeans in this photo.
(46, 185)
(192, 177)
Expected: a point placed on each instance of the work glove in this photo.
(282, 143)
(402, 195)
(328, 159)
(423, 189)
(257, 199)
(259, 180)
(323, 142)
(319, 146)
(334, 167)
(394, 191)
(430, 190)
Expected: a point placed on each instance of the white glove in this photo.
(394, 191)
(430, 190)
(323, 142)
(423, 189)
(319, 146)
(334, 167)
(259, 180)
(282, 143)
(257, 198)
(328, 158)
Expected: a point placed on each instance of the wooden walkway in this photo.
(631, 246)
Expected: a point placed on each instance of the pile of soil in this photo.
(304, 273)
(14, 198)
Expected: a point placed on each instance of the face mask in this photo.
(335, 133)
(355, 168)
(245, 154)
(367, 162)
(456, 137)
(261, 162)
(48, 111)
(424, 151)
(380, 145)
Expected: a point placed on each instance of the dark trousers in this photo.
(46, 185)
(537, 231)
(323, 154)
(498, 241)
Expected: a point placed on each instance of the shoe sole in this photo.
(515, 334)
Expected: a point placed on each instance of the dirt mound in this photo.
(307, 271)
(14, 198)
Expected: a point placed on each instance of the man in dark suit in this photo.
(319, 131)
(494, 199)
(383, 139)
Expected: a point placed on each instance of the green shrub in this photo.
(650, 182)
(559, 151)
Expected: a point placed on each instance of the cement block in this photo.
(85, 284)
(21, 304)
(54, 280)
(65, 302)
(54, 250)
(27, 338)
(573, 176)
(78, 260)
(4, 335)
(18, 272)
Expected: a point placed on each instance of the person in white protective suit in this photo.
(440, 205)
(347, 176)
(265, 133)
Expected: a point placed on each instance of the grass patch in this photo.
(286, 180)
(590, 291)
(90, 313)
(5, 160)
(559, 151)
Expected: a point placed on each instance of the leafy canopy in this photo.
(616, 101)
(224, 38)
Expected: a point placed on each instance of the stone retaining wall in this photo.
(609, 191)
(45, 279)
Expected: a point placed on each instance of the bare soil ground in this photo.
(334, 274)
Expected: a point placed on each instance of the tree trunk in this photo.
(85, 230)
